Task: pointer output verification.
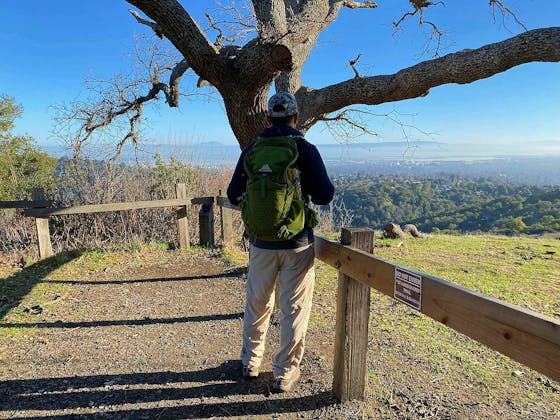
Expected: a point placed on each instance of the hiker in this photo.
(279, 224)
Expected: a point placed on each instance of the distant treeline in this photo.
(451, 204)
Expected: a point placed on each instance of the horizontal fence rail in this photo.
(40, 210)
(100, 208)
(530, 338)
(224, 202)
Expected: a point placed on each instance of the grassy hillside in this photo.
(522, 271)
(420, 368)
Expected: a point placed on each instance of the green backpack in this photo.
(272, 208)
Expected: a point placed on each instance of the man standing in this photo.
(287, 255)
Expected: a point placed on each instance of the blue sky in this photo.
(47, 49)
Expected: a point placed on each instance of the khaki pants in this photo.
(294, 268)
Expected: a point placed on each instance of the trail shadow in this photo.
(18, 285)
(126, 322)
(174, 389)
(230, 273)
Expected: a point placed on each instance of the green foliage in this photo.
(164, 175)
(22, 165)
(9, 111)
(512, 224)
(451, 204)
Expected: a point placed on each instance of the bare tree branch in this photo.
(239, 20)
(221, 37)
(418, 10)
(505, 11)
(353, 63)
(119, 102)
(172, 94)
(352, 123)
(344, 126)
(466, 66)
(185, 34)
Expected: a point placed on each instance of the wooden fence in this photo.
(41, 210)
(526, 336)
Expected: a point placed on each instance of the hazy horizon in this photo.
(421, 150)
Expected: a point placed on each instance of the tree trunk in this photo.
(246, 112)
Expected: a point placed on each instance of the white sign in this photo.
(408, 288)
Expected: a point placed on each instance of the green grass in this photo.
(411, 351)
(234, 256)
(522, 271)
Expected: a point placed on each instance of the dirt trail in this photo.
(156, 340)
(156, 335)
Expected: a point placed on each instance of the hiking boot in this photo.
(286, 384)
(250, 373)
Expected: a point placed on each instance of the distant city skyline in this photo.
(49, 48)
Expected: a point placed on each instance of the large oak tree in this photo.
(285, 33)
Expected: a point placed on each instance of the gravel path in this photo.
(156, 340)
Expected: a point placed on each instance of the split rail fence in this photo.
(526, 336)
(42, 209)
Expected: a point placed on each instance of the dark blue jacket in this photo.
(313, 177)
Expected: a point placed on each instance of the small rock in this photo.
(548, 383)
(35, 310)
(517, 373)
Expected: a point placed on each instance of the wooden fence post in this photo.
(182, 221)
(226, 223)
(206, 224)
(352, 318)
(42, 223)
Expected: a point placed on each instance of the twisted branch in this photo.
(353, 63)
(119, 99)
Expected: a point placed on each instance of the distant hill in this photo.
(538, 163)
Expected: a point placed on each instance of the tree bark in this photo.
(246, 112)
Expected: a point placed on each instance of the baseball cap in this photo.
(282, 104)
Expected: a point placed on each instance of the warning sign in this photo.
(408, 288)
